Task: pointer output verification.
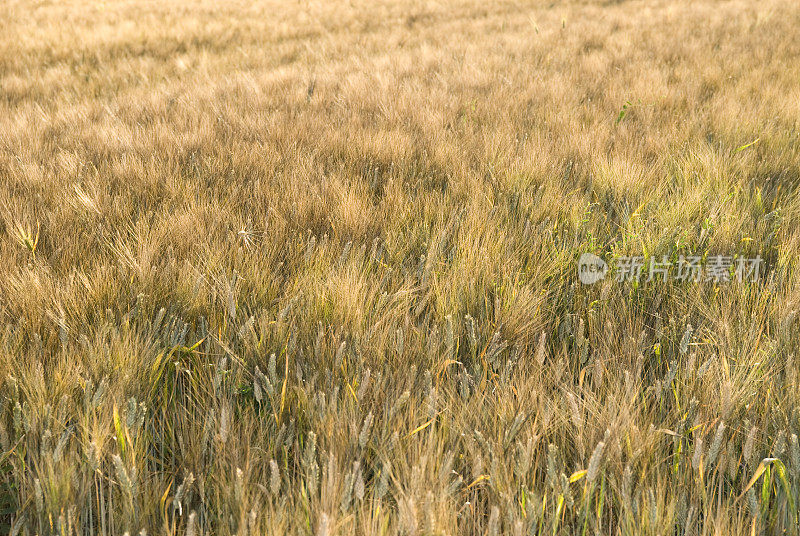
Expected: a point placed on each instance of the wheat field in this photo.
(311, 267)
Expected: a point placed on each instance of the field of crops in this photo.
(312, 267)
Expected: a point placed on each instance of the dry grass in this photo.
(310, 267)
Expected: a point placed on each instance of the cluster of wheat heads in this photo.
(310, 267)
